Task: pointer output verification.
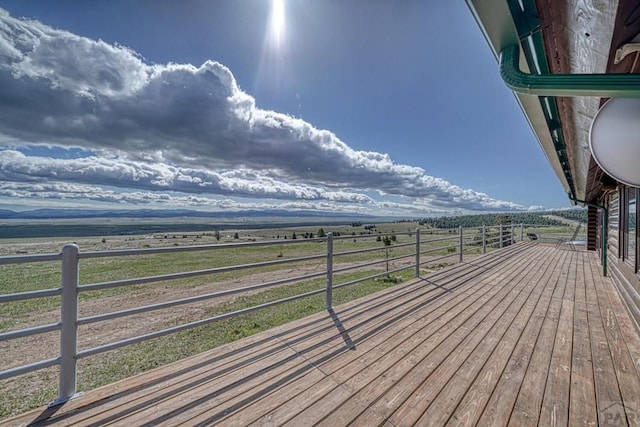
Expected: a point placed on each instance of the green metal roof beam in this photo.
(600, 85)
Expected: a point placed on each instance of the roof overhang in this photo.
(560, 38)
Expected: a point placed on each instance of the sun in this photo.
(273, 70)
(277, 25)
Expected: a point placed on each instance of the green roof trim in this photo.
(529, 30)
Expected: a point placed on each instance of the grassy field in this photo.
(37, 388)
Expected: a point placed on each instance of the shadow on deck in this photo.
(531, 334)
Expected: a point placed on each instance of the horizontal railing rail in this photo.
(194, 248)
(190, 325)
(27, 332)
(383, 255)
(191, 300)
(23, 296)
(24, 259)
(187, 274)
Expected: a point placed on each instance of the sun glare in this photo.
(273, 72)
(277, 20)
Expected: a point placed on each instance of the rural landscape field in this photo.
(384, 251)
(40, 387)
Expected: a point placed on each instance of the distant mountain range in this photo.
(166, 213)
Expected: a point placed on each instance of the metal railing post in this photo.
(69, 329)
(512, 238)
(417, 252)
(521, 232)
(484, 239)
(329, 303)
(461, 248)
(500, 236)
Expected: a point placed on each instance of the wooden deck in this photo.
(528, 335)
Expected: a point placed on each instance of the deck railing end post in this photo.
(329, 298)
(461, 242)
(417, 252)
(69, 328)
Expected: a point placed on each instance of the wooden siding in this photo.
(622, 271)
(628, 285)
(529, 335)
(613, 233)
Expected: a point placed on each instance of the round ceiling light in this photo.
(614, 139)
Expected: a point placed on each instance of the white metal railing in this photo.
(423, 250)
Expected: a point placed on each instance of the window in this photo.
(630, 226)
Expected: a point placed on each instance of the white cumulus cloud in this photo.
(179, 127)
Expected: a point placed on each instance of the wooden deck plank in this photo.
(143, 389)
(387, 337)
(223, 361)
(526, 410)
(324, 340)
(176, 402)
(344, 371)
(555, 403)
(438, 313)
(444, 315)
(424, 358)
(308, 344)
(481, 393)
(444, 283)
(472, 405)
(443, 407)
(605, 380)
(624, 366)
(276, 378)
(517, 312)
(426, 354)
(582, 403)
(313, 359)
(223, 393)
(528, 335)
(282, 412)
(445, 402)
(367, 351)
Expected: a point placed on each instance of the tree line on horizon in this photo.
(529, 218)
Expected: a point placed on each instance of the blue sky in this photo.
(363, 106)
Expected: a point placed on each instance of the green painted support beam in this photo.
(599, 85)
